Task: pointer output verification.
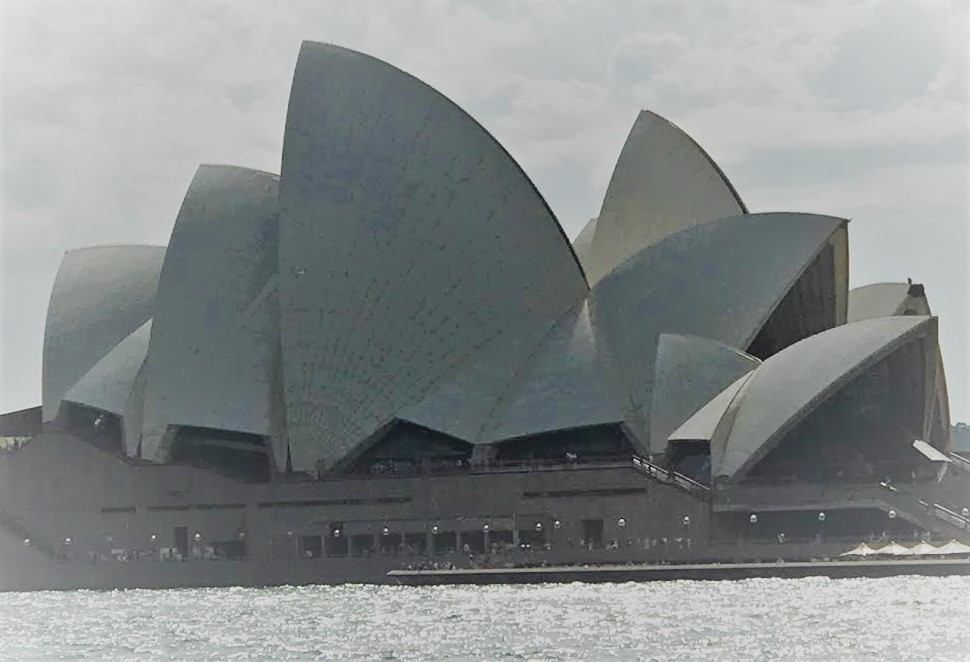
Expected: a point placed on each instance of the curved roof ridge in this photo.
(488, 134)
(207, 362)
(727, 275)
(101, 294)
(107, 385)
(563, 384)
(724, 346)
(662, 183)
(700, 148)
(522, 366)
(402, 235)
(677, 236)
(585, 239)
(886, 299)
(773, 402)
(688, 372)
(233, 166)
(703, 424)
(95, 247)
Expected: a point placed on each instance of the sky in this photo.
(857, 109)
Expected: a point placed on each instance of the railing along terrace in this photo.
(948, 515)
(960, 461)
(904, 493)
(667, 475)
(392, 469)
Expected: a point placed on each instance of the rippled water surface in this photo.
(905, 618)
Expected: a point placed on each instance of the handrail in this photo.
(444, 468)
(945, 513)
(935, 510)
(670, 476)
(960, 461)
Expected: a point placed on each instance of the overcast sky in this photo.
(856, 109)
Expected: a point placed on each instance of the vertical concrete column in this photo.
(482, 455)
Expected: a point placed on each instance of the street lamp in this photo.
(385, 531)
(753, 519)
(686, 522)
(336, 533)
(891, 514)
(558, 525)
(538, 527)
(965, 512)
(621, 523)
(434, 529)
(26, 542)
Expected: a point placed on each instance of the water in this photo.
(903, 618)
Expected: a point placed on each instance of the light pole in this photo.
(485, 529)
(686, 522)
(821, 522)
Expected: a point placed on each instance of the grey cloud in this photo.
(819, 165)
(28, 182)
(890, 58)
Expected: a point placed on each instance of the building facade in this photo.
(390, 354)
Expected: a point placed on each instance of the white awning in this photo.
(922, 549)
(861, 550)
(929, 452)
(893, 549)
(953, 548)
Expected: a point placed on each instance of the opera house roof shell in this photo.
(402, 268)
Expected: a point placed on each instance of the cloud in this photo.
(888, 58)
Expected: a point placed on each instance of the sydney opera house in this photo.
(391, 354)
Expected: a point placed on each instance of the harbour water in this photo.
(900, 618)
